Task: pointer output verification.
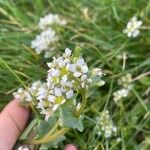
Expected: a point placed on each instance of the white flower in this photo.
(40, 104)
(46, 41)
(126, 81)
(60, 61)
(58, 91)
(67, 53)
(47, 114)
(132, 29)
(51, 98)
(23, 95)
(50, 20)
(42, 92)
(97, 72)
(77, 74)
(120, 94)
(79, 68)
(66, 77)
(80, 62)
(71, 67)
(69, 94)
(55, 107)
(106, 124)
(35, 88)
(101, 83)
(84, 68)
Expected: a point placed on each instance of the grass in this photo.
(94, 29)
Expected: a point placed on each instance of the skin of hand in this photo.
(13, 119)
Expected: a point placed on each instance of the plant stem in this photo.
(47, 138)
(52, 130)
(84, 101)
(34, 110)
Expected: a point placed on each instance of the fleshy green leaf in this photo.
(69, 119)
(45, 126)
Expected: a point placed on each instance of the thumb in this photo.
(12, 121)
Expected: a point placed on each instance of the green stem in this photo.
(47, 138)
(84, 101)
(52, 130)
(34, 110)
(28, 129)
(140, 100)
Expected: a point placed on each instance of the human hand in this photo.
(12, 122)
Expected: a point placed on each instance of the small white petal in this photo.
(64, 78)
(72, 67)
(69, 94)
(51, 98)
(60, 62)
(55, 72)
(77, 74)
(84, 77)
(136, 33)
(67, 52)
(58, 91)
(55, 107)
(84, 68)
(80, 62)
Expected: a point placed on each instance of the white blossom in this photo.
(97, 71)
(67, 53)
(132, 29)
(120, 94)
(126, 81)
(69, 94)
(47, 114)
(106, 124)
(46, 41)
(66, 77)
(51, 19)
(22, 95)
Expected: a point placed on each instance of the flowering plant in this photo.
(63, 96)
(62, 87)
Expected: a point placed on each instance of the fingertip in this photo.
(18, 112)
(70, 147)
(12, 121)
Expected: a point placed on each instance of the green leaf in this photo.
(69, 119)
(45, 126)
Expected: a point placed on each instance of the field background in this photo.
(94, 29)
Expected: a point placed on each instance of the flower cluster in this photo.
(47, 40)
(106, 125)
(119, 94)
(22, 95)
(27, 95)
(132, 29)
(66, 77)
(51, 19)
(125, 82)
